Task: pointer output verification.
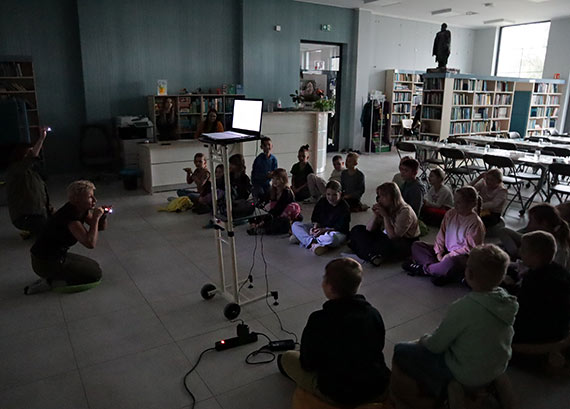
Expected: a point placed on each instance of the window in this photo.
(522, 50)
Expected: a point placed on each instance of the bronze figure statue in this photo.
(442, 46)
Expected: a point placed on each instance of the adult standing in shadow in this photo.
(210, 124)
(26, 190)
(442, 46)
(166, 121)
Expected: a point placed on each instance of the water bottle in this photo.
(487, 148)
(538, 155)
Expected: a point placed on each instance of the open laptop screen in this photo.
(247, 115)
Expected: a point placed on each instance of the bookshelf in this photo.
(191, 109)
(460, 105)
(17, 81)
(538, 106)
(404, 91)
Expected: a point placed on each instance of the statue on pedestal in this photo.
(442, 46)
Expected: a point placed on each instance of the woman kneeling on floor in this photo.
(50, 257)
(391, 232)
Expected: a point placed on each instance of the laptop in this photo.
(246, 121)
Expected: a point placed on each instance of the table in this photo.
(518, 157)
(520, 143)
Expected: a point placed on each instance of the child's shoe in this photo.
(25, 235)
(318, 249)
(293, 239)
(39, 286)
(377, 260)
(414, 269)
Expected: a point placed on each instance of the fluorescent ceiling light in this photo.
(393, 3)
(471, 13)
(442, 11)
(497, 21)
(538, 1)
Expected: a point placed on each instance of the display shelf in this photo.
(403, 87)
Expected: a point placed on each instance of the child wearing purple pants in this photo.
(460, 231)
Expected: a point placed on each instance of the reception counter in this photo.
(162, 163)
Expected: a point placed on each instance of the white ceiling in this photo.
(516, 11)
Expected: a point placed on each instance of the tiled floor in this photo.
(128, 342)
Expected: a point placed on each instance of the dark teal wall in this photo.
(48, 32)
(128, 45)
(271, 59)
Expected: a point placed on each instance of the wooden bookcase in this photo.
(17, 81)
(460, 105)
(192, 108)
(539, 106)
(404, 91)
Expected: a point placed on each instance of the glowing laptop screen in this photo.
(247, 115)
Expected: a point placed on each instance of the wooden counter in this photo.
(162, 162)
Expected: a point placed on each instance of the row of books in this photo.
(482, 113)
(11, 69)
(12, 86)
(431, 113)
(551, 111)
(397, 119)
(433, 98)
(484, 99)
(463, 85)
(503, 99)
(433, 83)
(402, 97)
(460, 128)
(460, 113)
(504, 86)
(502, 112)
(402, 87)
(481, 126)
(482, 86)
(461, 99)
(553, 100)
(403, 108)
(407, 77)
(536, 112)
(538, 100)
(417, 99)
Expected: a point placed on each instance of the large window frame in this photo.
(500, 39)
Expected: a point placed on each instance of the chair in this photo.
(407, 127)
(565, 152)
(513, 178)
(458, 141)
(556, 185)
(403, 146)
(456, 166)
(510, 146)
(538, 139)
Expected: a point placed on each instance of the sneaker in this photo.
(376, 260)
(170, 198)
(310, 200)
(414, 269)
(318, 249)
(293, 239)
(38, 286)
(25, 235)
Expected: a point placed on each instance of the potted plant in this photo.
(325, 105)
(297, 98)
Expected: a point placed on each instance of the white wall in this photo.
(485, 45)
(407, 45)
(386, 42)
(558, 59)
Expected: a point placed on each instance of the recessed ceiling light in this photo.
(498, 21)
(471, 13)
(538, 1)
(488, 4)
(442, 11)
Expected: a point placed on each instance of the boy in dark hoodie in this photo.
(544, 299)
(341, 359)
(472, 345)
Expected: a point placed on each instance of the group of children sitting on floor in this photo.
(520, 299)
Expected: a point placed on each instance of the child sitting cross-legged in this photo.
(330, 223)
(341, 360)
(299, 174)
(412, 189)
(490, 186)
(461, 230)
(317, 185)
(199, 177)
(281, 210)
(471, 347)
(542, 326)
(438, 200)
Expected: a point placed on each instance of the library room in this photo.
(396, 233)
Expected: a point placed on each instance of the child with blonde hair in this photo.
(490, 187)
(461, 230)
(470, 348)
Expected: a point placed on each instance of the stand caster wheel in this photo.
(231, 311)
(207, 291)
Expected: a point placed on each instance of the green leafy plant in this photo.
(324, 104)
(297, 99)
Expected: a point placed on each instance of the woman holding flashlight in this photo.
(79, 220)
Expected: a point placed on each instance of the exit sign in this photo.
(325, 27)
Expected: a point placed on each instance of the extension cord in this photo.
(229, 343)
(282, 345)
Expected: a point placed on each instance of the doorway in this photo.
(320, 78)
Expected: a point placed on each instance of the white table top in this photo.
(519, 142)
